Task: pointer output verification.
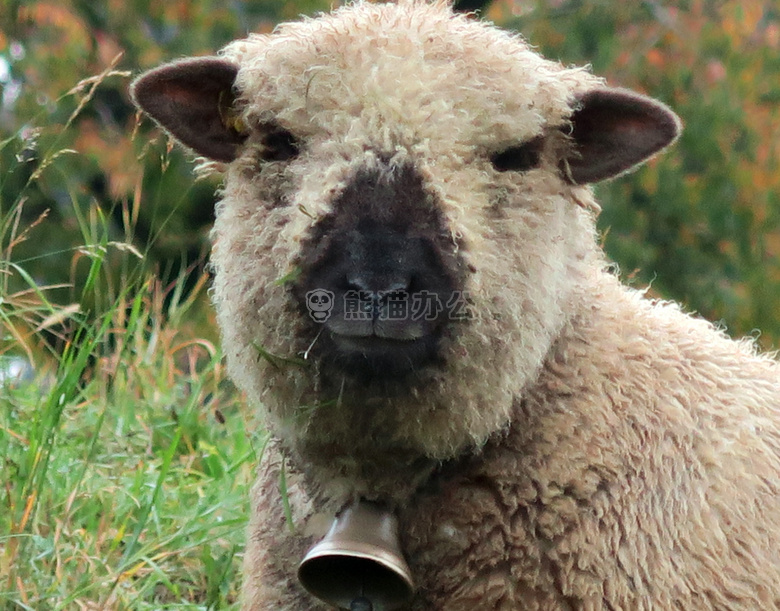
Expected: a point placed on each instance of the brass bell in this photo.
(359, 565)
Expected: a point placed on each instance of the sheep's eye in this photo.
(519, 158)
(278, 144)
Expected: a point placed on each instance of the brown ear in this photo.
(192, 99)
(614, 130)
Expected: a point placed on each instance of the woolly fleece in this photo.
(583, 447)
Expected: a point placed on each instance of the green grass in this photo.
(125, 477)
(126, 460)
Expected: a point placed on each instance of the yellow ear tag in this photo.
(230, 117)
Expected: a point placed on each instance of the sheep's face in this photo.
(403, 228)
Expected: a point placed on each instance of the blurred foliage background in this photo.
(701, 224)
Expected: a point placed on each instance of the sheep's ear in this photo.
(193, 99)
(614, 130)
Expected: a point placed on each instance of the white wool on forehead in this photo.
(394, 73)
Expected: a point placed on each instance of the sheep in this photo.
(409, 285)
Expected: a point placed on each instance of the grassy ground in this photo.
(125, 478)
(126, 457)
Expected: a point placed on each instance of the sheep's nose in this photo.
(378, 260)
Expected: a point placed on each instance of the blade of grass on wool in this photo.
(285, 496)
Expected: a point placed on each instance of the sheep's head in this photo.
(405, 226)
